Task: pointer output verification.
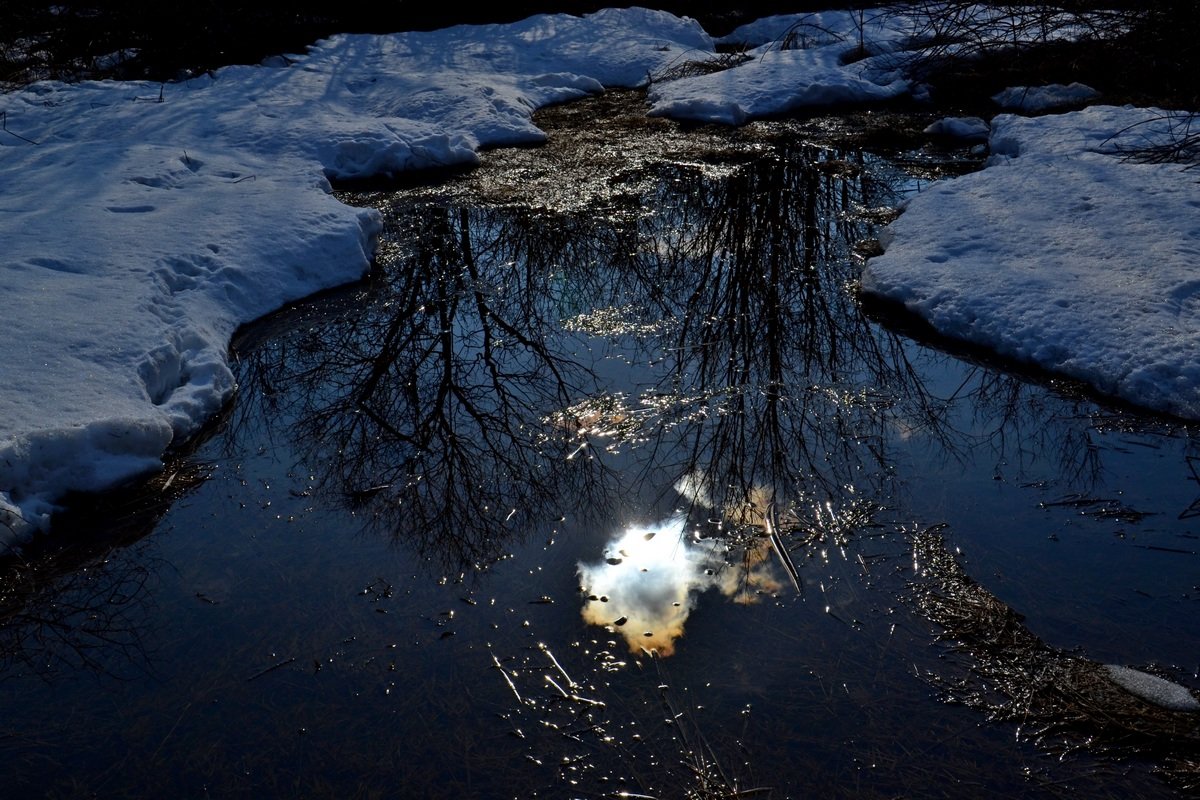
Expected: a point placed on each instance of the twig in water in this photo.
(1161, 549)
(1192, 510)
(557, 666)
(271, 668)
(508, 680)
(777, 543)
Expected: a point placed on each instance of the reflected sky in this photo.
(651, 576)
(612, 384)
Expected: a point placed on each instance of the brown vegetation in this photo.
(1062, 701)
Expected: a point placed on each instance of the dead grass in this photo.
(710, 64)
(1062, 701)
(1177, 140)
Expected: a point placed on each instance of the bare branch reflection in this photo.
(512, 362)
(82, 600)
(88, 618)
(739, 292)
(424, 409)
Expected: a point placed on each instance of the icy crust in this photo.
(1062, 254)
(968, 129)
(142, 223)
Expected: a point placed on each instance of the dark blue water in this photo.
(369, 581)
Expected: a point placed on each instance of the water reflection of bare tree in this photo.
(424, 410)
(81, 599)
(737, 283)
(447, 407)
(1035, 427)
(775, 378)
(432, 406)
(90, 619)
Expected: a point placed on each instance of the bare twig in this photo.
(4, 127)
(1173, 138)
(272, 668)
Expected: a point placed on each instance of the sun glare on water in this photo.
(650, 578)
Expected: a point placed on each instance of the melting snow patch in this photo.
(969, 129)
(1062, 254)
(151, 220)
(1045, 98)
(1153, 689)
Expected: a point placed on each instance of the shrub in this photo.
(1142, 53)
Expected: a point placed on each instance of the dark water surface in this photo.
(510, 520)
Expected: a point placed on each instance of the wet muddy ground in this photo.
(604, 483)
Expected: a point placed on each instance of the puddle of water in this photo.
(605, 484)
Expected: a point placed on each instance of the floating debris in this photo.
(272, 668)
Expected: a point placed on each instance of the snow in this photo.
(852, 57)
(849, 57)
(1045, 98)
(774, 82)
(969, 129)
(1153, 689)
(882, 31)
(826, 66)
(143, 223)
(1062, 254)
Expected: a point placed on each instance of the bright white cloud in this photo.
(647, 585)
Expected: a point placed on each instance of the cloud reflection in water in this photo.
(650, 578)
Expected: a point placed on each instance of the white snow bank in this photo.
(848, 57)
(143, 223)
(775, 82)
(1044, 98)
(1063, 255)
(832, 59)
(1153, 689)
